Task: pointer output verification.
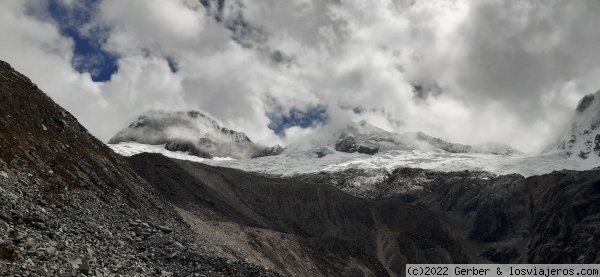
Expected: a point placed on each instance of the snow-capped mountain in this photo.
(355, 145)
(192, 132)
(581, 139)
(365, 138)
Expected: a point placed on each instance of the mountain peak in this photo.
(193, 132)
(581, 139)
(158, 127)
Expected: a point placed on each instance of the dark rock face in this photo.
(553, 218)
(349, 144)
(339, 233)
(71, 206)
(410, 216)
(584, 103)
(566, 218)
(367, 150)
(187, 146)
(346, 144)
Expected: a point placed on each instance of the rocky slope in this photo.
(309, 225)
(297, 227)
(551, 218)
(192, 132)
(69, 206)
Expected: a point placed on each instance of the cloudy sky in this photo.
(466, 71)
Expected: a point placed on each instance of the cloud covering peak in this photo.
(465, 71)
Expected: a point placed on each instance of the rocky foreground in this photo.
(69, 206)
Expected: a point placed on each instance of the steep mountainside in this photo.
(71, 206)
(303, 228)
(581, 140)
(551, 218)
(191, 132)
(308, 226)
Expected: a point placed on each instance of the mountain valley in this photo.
(71, 206)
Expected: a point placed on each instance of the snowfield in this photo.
(300, 162)
(578, 148)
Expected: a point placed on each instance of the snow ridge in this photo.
(192, 132)
(581, 140)
(371, 139)
(157, 127)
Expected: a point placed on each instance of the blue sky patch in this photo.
(88, 53)
(296, 117)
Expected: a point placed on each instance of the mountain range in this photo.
(71, 206)
(359, 145)
(202, 136)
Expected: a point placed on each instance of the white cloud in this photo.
(163, 27)
(38, 50)
(474, 51)
(499, 70)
